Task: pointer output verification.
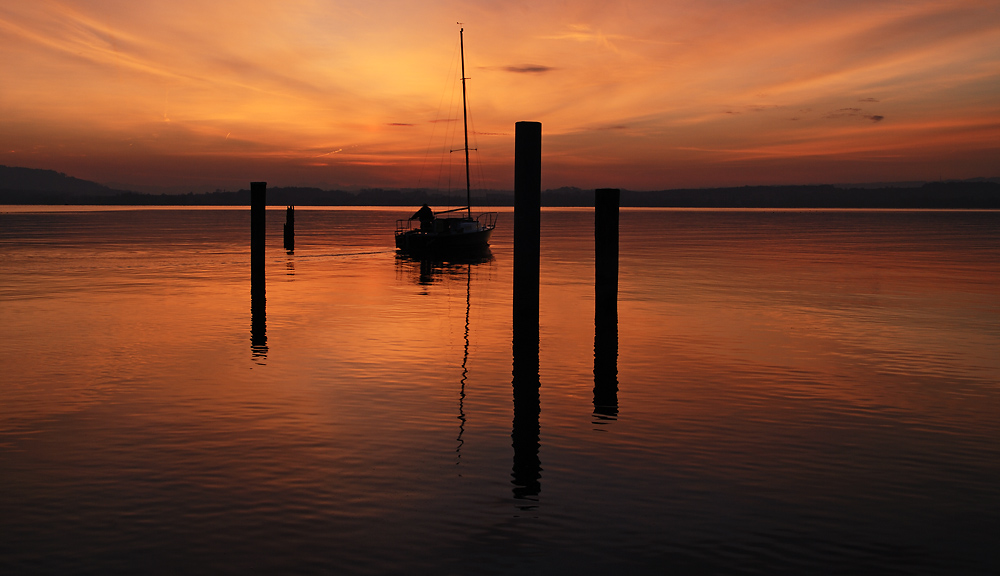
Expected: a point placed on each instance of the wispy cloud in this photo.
(584, 33)
(248, 79)
(528, 69)
(854, 113)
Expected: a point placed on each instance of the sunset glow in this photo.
(640, 95)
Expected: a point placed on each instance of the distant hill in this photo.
(31, 186)
(31, 182)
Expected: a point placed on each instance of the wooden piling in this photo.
(527, 216)
(606, 202)
(606, 302)
(290, 229)
(258, 297)
(258, 223)
(526, 472)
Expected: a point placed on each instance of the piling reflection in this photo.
(258, 318)
(606, 363)
(527, 470)
(525, 432)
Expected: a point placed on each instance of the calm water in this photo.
(799, 392)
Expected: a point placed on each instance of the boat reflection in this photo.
(430, 267)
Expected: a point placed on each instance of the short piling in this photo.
(290, 229)
(258, 223)
(606, 302)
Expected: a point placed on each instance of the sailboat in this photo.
(448, 231)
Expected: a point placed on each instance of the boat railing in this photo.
(487, 220)
(403, 225)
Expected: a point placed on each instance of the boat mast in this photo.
(465, 120)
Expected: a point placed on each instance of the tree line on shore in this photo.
(25, 186)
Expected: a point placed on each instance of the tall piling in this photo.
(606, 228)
(526, 474)
(258, 297)
(527, 216)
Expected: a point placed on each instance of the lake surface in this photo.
(798, 392)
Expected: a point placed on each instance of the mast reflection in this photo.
(429, 270)
(465, 361)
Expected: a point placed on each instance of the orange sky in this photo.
(646, 94)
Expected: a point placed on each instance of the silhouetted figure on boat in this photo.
(426, 217)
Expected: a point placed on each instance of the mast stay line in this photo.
(465, 120)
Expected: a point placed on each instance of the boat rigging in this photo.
(442, 235)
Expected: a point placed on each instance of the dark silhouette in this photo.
(449, 234)
(426, 217)
(431, 267)
(527, 226)
(606, 304)
(527, 471)
(32, 186)
(527, 217)
(258, 298)
(289, 229)
(465, 361)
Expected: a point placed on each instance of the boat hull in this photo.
(420, 242)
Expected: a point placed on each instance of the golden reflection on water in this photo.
(816, 373)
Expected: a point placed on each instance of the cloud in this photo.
(584, 33)
(762, 107)
(869, 100)
(529, 69)
(854, 113)
(844, 112)
(399, 124)
(338, 151)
